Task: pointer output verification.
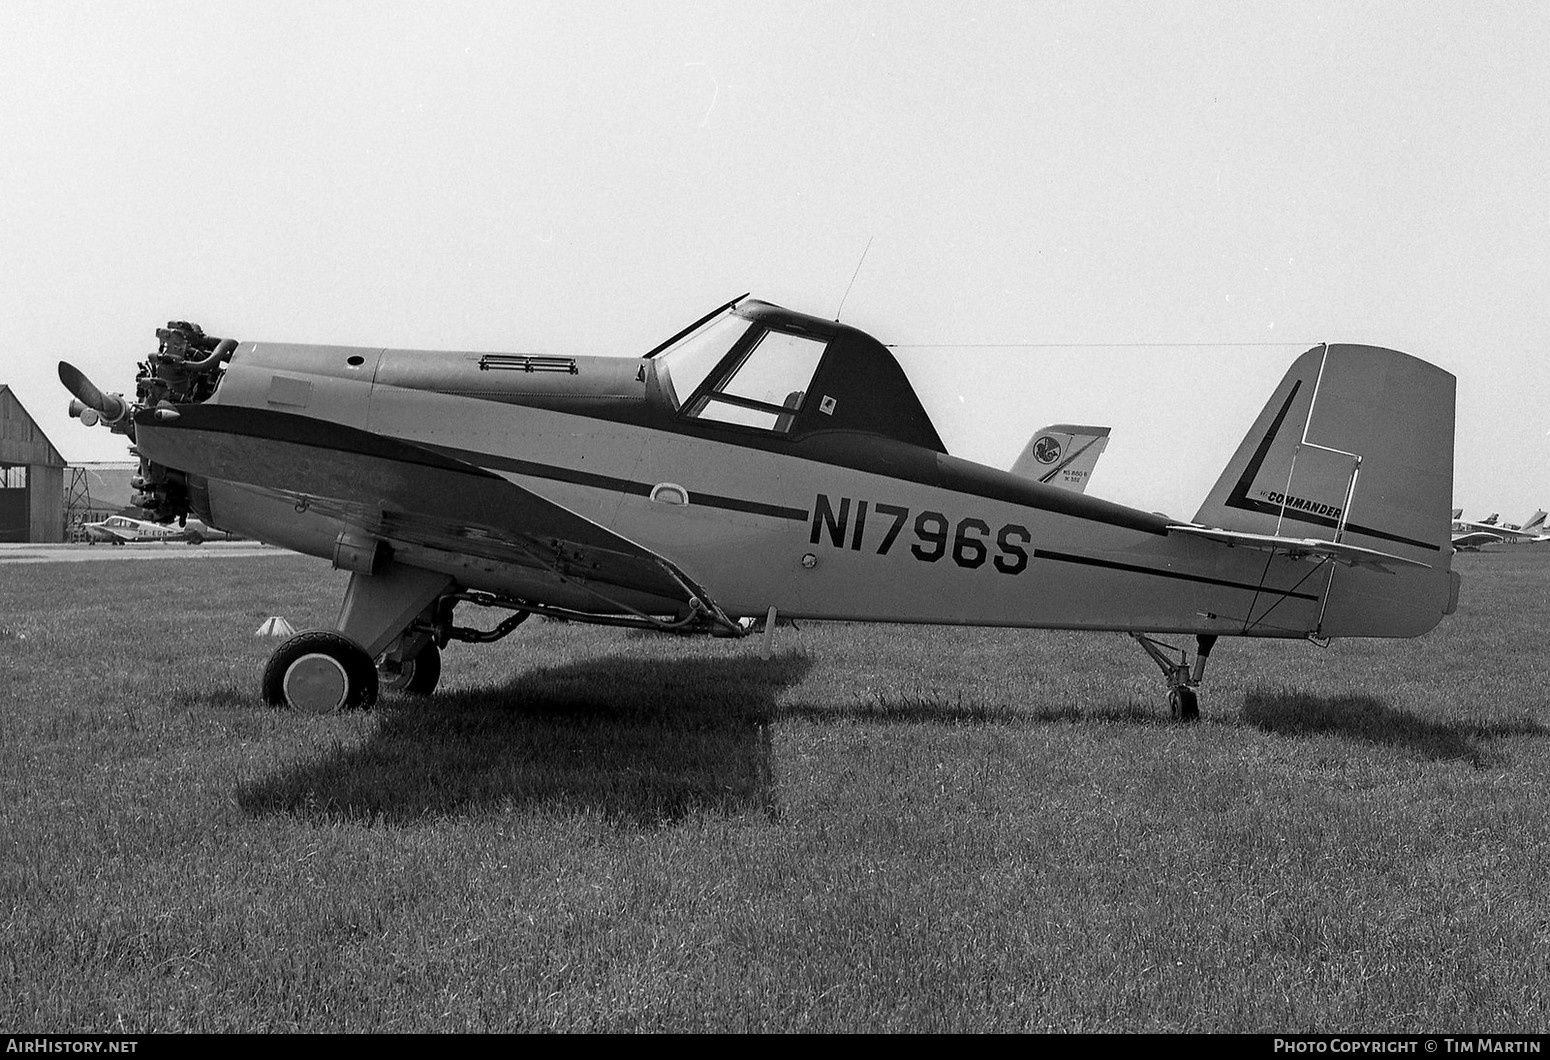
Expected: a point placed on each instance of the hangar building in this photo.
(32, 477)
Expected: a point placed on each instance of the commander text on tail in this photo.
(764, 461)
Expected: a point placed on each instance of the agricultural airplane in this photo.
(121, 530)
(763, 462)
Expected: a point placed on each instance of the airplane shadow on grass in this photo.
(1369, 719)
(639, 741)
(887, 708)
(646, 742)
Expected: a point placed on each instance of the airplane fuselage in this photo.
(831, 524)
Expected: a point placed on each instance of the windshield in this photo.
(684, 365)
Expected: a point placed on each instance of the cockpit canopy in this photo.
(768, 370)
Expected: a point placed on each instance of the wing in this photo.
(1310, 548)
(410, 494)
(1476, 539)
(1500, 533)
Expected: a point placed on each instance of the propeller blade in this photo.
(111, 406)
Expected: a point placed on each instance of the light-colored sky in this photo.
(589, 177)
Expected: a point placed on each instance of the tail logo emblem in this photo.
(1046, 450)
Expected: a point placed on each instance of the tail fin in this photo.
(1355, 446)
(1535, 524)
(1062, 455)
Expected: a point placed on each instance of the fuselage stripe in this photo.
(1131, 568)
(492, 462)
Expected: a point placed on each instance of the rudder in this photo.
(1356, 446)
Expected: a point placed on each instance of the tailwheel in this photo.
(416, 675)
(320, 672)
(1183, 704)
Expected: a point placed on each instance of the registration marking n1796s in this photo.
(860, 525)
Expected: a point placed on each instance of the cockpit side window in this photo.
(767, 386)
(777, 367)
(684, 365)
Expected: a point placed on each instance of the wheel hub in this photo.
(316, 684)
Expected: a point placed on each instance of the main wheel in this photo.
(1183, 704)
(320, 672)
(416, 675)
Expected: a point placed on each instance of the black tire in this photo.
(1183, 704)
(417, 676)
(320, 672)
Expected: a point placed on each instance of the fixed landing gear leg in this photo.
(379, 613)
(327, 670)
(1183, 704)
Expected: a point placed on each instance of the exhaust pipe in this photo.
(222, 353)
(111, 407)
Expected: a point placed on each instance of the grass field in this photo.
(876, 829)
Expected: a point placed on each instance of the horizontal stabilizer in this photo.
(1301, 547)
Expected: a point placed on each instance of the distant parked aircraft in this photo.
(121, 530)
(1470, 537)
